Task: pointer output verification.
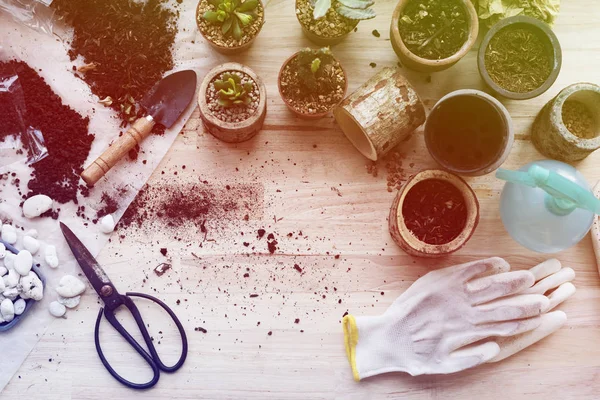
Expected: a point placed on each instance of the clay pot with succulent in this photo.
(312, 83)
(327, 22)
(233, 102)
(230, 26)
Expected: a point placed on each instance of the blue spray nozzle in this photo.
(564, 195)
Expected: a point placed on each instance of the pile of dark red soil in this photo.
(126, 47)
(65, 133)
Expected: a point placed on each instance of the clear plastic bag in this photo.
(19, 143)
(35, 14)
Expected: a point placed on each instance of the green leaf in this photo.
(247, 100)
(248, 86)
(224, 102)
(214, 3)
(314, 66)
(226, 25)
(237, 31)
(211, 16)
(321, 7)
(355, 13)
(245, 19)
(222, 15)
(362, 4)
(220, 85)
(248, 5)
(238, 102)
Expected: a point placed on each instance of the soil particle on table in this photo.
(434, 29)
(126, 47)
(213, 31)
(57, 175)
(330, 26)
(396, 173)
(328, 92)
(237, 112)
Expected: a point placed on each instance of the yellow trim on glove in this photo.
(350, 341)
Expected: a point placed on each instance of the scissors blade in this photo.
(87, 262)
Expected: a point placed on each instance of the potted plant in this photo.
(312, 82)
(230, 26)
(233, 102)
(327, 22)
(520, 57)
(434, 214)
(432, 35)
(469, 132)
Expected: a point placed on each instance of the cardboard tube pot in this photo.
(380, 114)
(408, 241)
(550, 135)
(412, 61)
(288, 103)
(552, 44)
(320, 39)
(232, 132)
(469, 132)
(252, 31)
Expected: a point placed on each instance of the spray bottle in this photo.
(547, 206)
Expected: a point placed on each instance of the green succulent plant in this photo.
(232, 15)
(352, 9)
(231, 90)
(313, 65)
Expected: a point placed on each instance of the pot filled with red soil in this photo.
(434, 214)
(233, 102)
(312, 83)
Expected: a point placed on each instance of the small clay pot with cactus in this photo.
(233, 102)
(230, 26)
(327, 22)
(312, 83)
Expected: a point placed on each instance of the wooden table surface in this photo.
(311, 179)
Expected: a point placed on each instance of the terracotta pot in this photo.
(409, 242)
(230, 50)
(232, 132)
(415, 62)
(550, 135)
(380, 114)
(508, 133)
(322, 40)
(289, 105)
(553, 44)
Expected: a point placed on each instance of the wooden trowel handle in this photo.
(134, 136)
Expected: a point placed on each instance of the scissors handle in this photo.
(152, 359)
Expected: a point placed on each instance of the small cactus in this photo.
(231, 90)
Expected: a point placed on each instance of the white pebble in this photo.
(107, 224)
(23, 262)
(70, 286)
(7, 309)
(69, 302)
(2, 285)
(9, 260)
(33, 233)
(57, 309)
(20, 306)
(31, 287)
(9, 234)
(2, 251)
(30, 244)
(11, 279)
(11, 293)
(36, 205)
(3, 270)
(50, 256)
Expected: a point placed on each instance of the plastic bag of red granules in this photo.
(35, 14)
(19, 143)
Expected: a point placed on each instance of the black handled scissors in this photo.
(112, 301)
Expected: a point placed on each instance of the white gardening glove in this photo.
(446, 320)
